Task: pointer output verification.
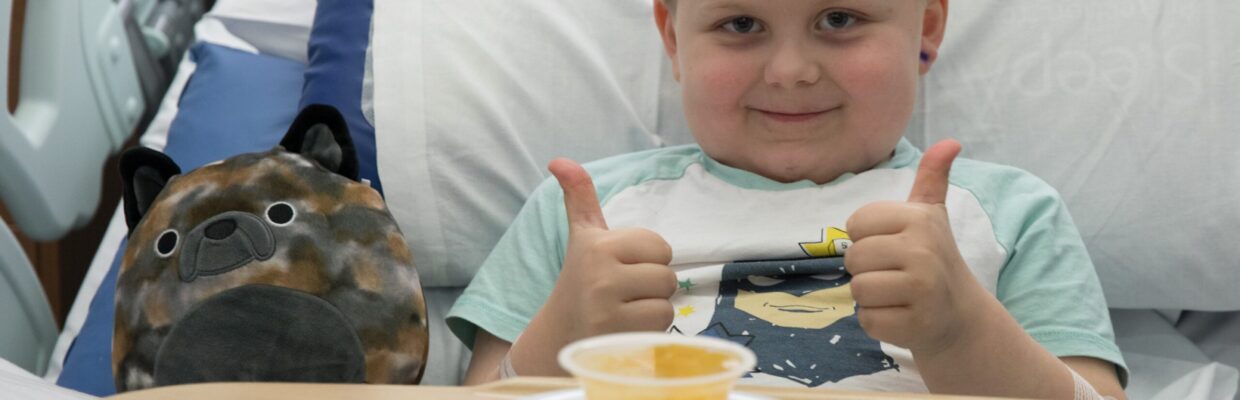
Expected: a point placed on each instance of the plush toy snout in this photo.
(225, 242)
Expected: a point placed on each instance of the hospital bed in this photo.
(80, 77)
(1128, 108)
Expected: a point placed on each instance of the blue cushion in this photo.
(337, 66)
(235, 102)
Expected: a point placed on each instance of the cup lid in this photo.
(745, 359)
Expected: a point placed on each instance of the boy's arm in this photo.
(489, 352)
(610, 281)
(1099, 373)
(914, 289)
(535, 355)
(997, 358)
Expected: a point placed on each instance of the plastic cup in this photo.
(656, 366)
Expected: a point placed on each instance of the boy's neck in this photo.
(746, 177)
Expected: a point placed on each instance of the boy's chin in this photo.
(827, 166)
(796, 167)
(789, 161)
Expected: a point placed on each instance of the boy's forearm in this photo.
(534, 353)
(485, 374)
(995, 358)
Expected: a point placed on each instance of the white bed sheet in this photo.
(1217, 334)
(273, 27)
(17, 383)
(1167, 365)
(272, 12)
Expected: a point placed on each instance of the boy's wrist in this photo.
(529, 359)
(968, 365)
(984, 316)
(534, 352)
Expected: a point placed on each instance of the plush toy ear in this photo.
(321, 134)
(145, 173)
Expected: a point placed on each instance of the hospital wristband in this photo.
(505, 367)
(1082, 390)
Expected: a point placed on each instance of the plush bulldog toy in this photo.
(274, 266)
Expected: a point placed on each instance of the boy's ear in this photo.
(664, 19)
(321, 134)
(145, 173)
(933, 28)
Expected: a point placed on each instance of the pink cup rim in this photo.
(745, 358)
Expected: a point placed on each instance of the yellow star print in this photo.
(685, 311)
(833, 244)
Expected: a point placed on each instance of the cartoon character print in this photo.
(798, 316)
(266, 266)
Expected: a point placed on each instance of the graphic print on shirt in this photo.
(798, 316)
(834, 243)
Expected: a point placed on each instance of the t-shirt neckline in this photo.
(905, 154)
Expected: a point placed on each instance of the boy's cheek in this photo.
(718, 76)
(713, 93)
(880, 81)
(877, 70)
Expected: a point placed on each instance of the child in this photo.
(800, 227)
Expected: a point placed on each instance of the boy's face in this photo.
(800, 89)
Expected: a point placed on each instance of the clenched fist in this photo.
(910, 282)
(611, 280)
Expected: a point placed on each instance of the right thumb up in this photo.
(580, 201)
(610, 280)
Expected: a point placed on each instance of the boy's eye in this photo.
(743, 25)
(836, 20)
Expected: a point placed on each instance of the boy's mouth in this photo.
(791, 117)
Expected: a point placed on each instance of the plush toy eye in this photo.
(167, 243)
(280, 214)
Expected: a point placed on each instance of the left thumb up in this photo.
(930, 185)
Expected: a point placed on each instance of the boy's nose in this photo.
(791, 67)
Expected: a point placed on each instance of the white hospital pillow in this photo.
(1131, 109)
(472, 99)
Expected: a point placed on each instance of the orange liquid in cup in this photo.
(659, 372)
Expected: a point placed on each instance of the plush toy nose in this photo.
(220, 230)
(223, 243)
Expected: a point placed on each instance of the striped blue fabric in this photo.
(337, 66)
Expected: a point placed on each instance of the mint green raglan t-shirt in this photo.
(760, 262)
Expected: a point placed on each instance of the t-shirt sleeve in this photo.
(517, 277)
(1048, 283)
